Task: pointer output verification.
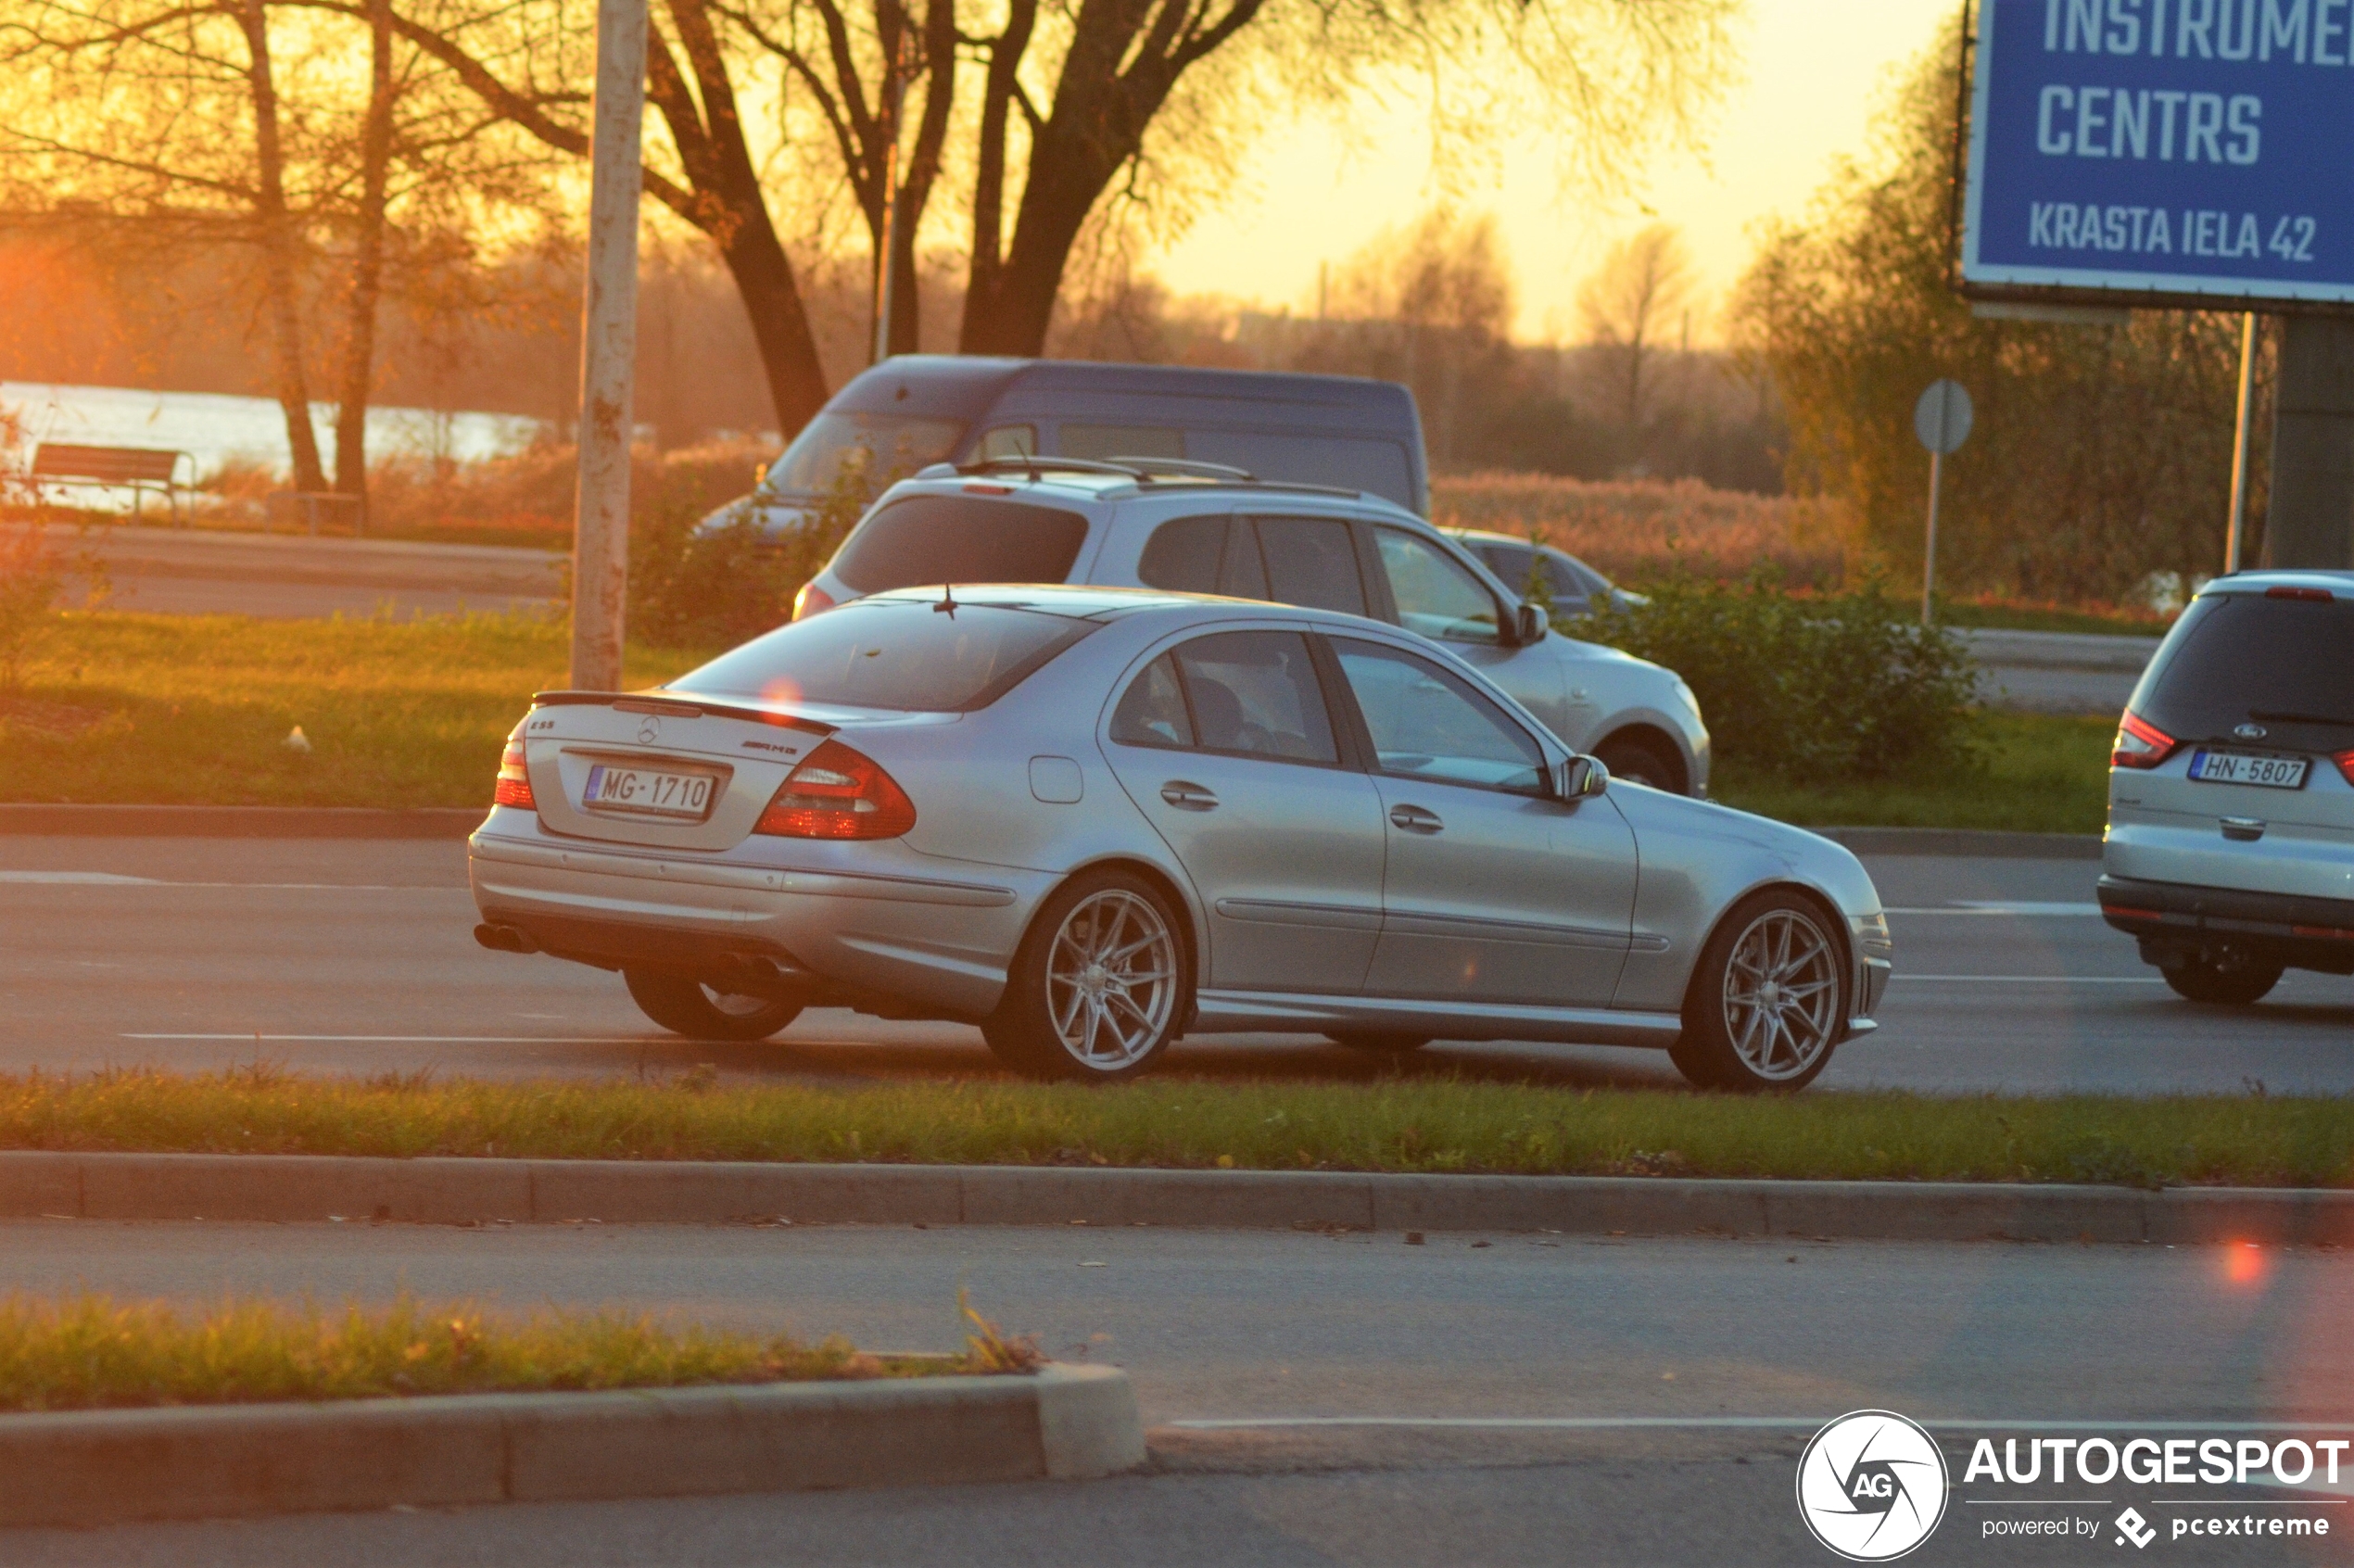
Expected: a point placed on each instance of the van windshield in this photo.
(880, 447)
(892, 654)
(2238, 658)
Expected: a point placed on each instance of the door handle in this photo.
(1415, 819)
(1188, 797)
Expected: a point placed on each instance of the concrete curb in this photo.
(240, 822)
(458, 1191)
(105, 1467)
(1966, 841)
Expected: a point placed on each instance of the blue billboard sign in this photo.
(2193, 150)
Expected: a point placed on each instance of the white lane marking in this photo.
(77, 879)
(416, 1039)
(1730, 1424)
(2038, 979)
(108, 880)
(2023, 907)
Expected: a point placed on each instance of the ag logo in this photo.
(1871, 1485)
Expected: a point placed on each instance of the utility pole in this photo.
(2234, 534)
(608, 349)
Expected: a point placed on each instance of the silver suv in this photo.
(2230, 853)
(1197, 528)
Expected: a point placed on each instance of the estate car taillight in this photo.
(811, 601)
(839, 793)
(514, 779)
(2139, 743)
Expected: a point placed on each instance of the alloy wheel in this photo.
(1782, 994)
(1111, 979)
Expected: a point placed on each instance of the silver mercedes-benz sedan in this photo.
(1094, 820)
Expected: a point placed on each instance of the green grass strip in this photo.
(1402, 1124)
(88, 1350)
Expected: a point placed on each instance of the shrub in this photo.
(1811, 688)
(729, 584)
(1639, 531)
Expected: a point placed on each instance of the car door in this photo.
(1494, 891)
(1226, 745)
(1437, 596)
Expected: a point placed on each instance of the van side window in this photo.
(1007, 440)
(1312, 561)
(1184, 555)
(1105, 441)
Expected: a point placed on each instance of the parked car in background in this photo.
(1571, 587)
(920, 408)
(1200, 529)
(2230, 853)
(1092, 820)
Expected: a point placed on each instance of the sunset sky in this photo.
(1816, 70)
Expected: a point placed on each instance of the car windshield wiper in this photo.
(2299, 718)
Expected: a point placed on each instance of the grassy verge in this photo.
(1409, 1125)
(89, 1351)
(172, 709)
(2039, 775)
(2008, 617)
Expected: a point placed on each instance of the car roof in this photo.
(1050, 480)
(1086, 602)
(2338, 583)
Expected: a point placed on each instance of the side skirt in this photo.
(1239, 1012)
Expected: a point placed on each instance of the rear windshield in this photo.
(892, 654)
(921, 540)
(2284, 663)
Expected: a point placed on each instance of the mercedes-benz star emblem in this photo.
(2251, 732)
(649, 731)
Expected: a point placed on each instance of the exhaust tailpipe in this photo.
(505, 939)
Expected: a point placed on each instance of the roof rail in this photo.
(1144, 471)
(1153, 467)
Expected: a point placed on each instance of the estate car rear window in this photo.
(2287, 663)
(892, 654)
(920, 540)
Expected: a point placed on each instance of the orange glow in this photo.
(2245, 1264)
(783, 692)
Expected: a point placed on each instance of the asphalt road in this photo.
(357, 956)
(1724, 1356)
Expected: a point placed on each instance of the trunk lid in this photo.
(669, 773)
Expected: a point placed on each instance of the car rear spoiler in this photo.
(676, 707)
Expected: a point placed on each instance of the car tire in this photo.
(1379, 1043)
(2225, 983)
(1768, 999)
(706, 1012)
(1100, 986)
(1638, 761)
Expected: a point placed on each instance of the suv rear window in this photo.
(892, 654)
(2287, 663)
(920, 540)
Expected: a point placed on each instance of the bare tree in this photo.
(1627, 303)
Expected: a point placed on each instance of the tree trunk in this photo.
(986, 268)
(367, 265)
(280, 269)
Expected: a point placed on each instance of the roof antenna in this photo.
(947, 605)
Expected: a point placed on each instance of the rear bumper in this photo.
(927, 942)
(2307, 933)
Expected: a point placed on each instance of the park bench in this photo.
(136, 469)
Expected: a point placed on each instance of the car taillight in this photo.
(812, 599)
(2139, 744)
(2322, 596)
(837, 794)
(2345, 761)
(514, 779)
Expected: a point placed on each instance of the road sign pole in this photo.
(2232, 532)
(1928, 554)
(608, 349)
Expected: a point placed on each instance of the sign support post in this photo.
(2232, 534)
(608, 349)
(2309, 521)
(1942, 419)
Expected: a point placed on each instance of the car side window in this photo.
(1256, 693)
(1185, 554)
(1427, 722)
(1103, 442)
(1312, 561)
(1006, 441)
(1153, 711)
(1572, 593)
(1434, 595)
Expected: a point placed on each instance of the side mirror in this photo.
(1580, 777)
(759, 478)
(1528, 624)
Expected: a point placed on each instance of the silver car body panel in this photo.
(1588, 931)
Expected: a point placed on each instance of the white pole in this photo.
(2240, 444)
(608, 349)
(1928, 555)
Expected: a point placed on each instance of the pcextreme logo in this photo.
(1871, 1485)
